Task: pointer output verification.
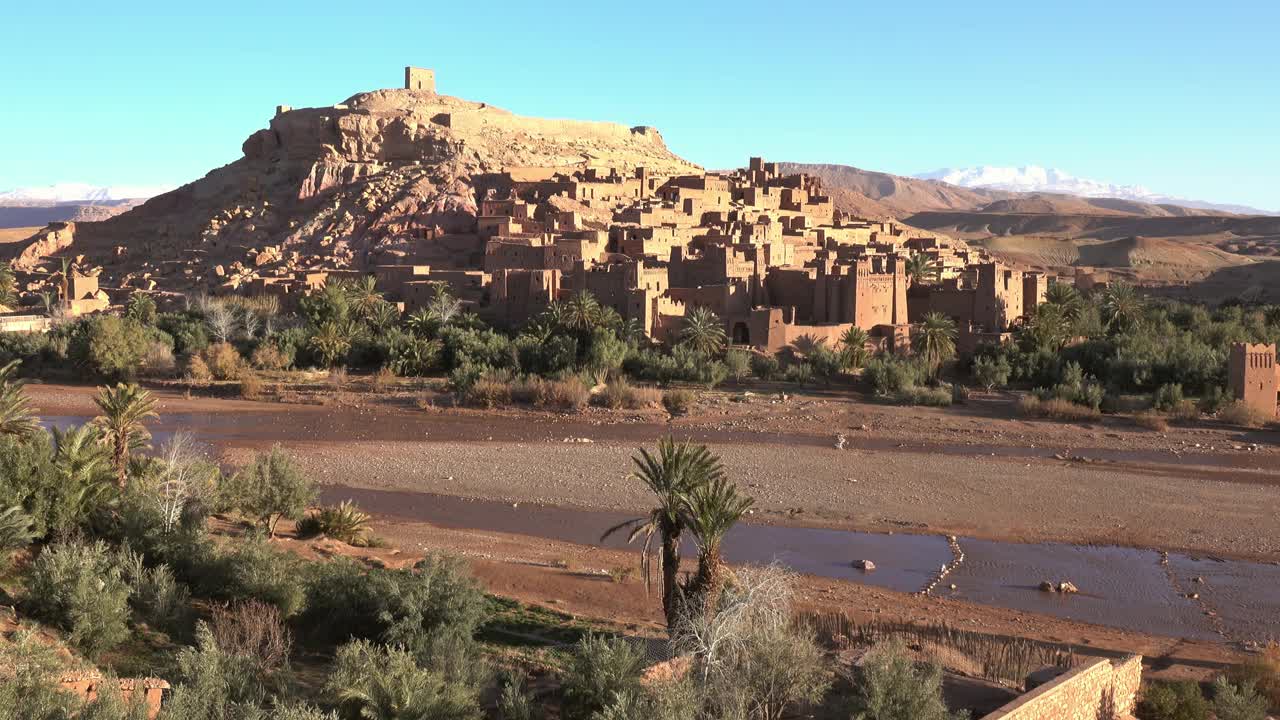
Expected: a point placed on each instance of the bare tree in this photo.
(221, 320)
(250, 323)
(185, 477)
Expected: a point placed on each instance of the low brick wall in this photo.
(1099, 690)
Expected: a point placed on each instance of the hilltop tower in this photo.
(1253, 376)
(419, 79)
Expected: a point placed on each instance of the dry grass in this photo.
(1056, 409)
(569, 394)
(382, 380)
(250, 386)
(1185, 411)
(679, 402)
(489, 393)
(1242, 414)
(622, 394)
(1151, 420)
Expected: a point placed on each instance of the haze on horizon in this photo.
(1173, 97)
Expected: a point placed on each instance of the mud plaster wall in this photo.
(1100, 690)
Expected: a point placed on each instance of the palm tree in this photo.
(703, 331)
(363, 296)
(125, 409)
(444, 307)
(15, 409)
(1051, 327)
(854, 350)
(1067, 298)
(582, 312)
(922, 269)
(935, 340)
(712, 509)
(671, 474)
(331, 342)
(82, 467)
(1121, 306)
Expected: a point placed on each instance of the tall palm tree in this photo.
(1067, 298)
(922, 269)
(703, 331)
(935, 340)
(125, 410)
(364, 296)
(671, 475)
(582, 312)
(15, 408)
(712, 509)
(331, 341)
(853, 352)
(1121, 306)
(1051, 327)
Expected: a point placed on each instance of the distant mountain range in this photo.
(1036, 179)
(80, 193)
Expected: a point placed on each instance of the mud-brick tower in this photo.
(1253, 376)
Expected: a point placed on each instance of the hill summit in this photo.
(371, 177)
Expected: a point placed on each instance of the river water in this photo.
(1133, 589)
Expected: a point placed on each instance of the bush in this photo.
(16, 532)
(268, 357)
(1167, 397)
(1056, 409)
(252, 570)
(1240, 413)
(1185, 411)
(678, 401)
(158, 599)
(344, 523)
(31, 689)
(892, 374)
(1214, 399)
(1151, 420)
(250, 386)
(1173, 701)
(224, 361)
(600, 670)
(81, 589)
(568, 394)
(198, 370)
(928, 396)
(489, 391)
(1237, 702)
(1075, 387)
(800, 373)
(254, 630)
(216, 684)
(273, 487)
(110, 346)
(375, 681)
(765, 367)
(990, 372)
(890, 687)
(158, 360)
(738, 363)
(1262, 672)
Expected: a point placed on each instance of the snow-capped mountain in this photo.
(1033, 178)
(81, 193)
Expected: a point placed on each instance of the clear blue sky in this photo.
(1182, 97)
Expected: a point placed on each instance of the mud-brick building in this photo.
(1253, 376)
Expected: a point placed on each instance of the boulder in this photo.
(864, 565)
(1066, 587)
(1046, 586)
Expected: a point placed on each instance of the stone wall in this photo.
(1100, 690)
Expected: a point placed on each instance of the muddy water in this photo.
(1120, 587)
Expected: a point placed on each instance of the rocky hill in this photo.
(375, 177)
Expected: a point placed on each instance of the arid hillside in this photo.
(36, 215)
(386, 174)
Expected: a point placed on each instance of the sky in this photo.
(1180, 97)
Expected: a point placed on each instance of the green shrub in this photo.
(1261, 672)
(800, 373)
(990, 372)
(600, 670)
(158, 599)
(254, 570)
(16, 532)
(30, 689)
(81, 589)
(927, 396)
(1214, 399)
(891, 374)
(376, 681)
(1167, 397)
(738, 363)
(891, 687)
(1237, 702)
(273, 487)
(215, 684)
(1075, 387)
(1179, 700)
(765, 367)
(109, 346)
